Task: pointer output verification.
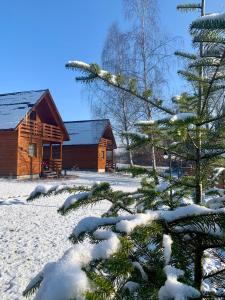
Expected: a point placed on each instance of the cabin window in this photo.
(32, 150)
(109, 155)
(33, 116)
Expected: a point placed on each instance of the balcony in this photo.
(108, 144)
(43, 131)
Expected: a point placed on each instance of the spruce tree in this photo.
(167, 239)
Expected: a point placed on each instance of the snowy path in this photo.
(33, 234)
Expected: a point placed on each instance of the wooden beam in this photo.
(50, 151)
(61, 150)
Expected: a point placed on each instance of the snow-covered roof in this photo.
(86, 132)
(14, 107)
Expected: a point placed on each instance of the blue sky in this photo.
(39, 37)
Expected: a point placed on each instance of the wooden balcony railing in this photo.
(55, 165)
(110, 165)
(43, 131)
(106, 143)
(51, 165)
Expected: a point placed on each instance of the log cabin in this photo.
(90, 146)
(28, 121)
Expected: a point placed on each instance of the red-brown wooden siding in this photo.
(29, 165)
(8, 153)
(101, 157)
(83, 157)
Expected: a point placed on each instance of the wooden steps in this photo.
(49, 174)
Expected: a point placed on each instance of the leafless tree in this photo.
(142, 53)
(117, 105)
(151, 52)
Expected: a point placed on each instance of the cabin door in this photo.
(52, 157)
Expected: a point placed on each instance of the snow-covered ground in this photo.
(32, 234)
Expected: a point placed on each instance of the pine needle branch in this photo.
(103, 75)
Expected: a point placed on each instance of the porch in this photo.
(110, 164)
(51, 138)
(52, 160)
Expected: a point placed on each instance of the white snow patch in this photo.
(212, 17)
(216, 203)
(90, 224)
(139, 219)
(137, 134)
(127, 223)
(44, 189)
(180, 212)
(74, 198)
(183, 116)
(138, 266)
(167, 243)
(65, 278)
(162, 186)
(147, 122)
(218, 172)
(131, 286)
(82, 65)
(33, 234)
(12, 202)
(173, 289)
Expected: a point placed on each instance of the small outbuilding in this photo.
(28, 121)
(90, 146)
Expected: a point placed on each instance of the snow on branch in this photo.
(189, 7)
(145, 123)
(173, 289)
(217, 51)
(71, 200)
(94, 71)
(183, 117)
(127, 226)
(92, 68)
(167, 243)
(96, 193)
(216, 202)
(136, 135)
(90, 224)
(217, 172)
(127, 223)
(177, 118)
(215, 21)
(42, 190)
(138, 266)
(65, 278)
(131, 286)
(47, 190)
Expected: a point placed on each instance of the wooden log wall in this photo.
(83, 157)
(8, 153)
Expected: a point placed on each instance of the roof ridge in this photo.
(22, 92)
(94, 120)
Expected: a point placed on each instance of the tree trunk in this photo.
(154, 168)
(131, 158)
(130, 151)
(198, 272)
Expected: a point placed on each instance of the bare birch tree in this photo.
(150, 53)
(117, 105)
(142, 53)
